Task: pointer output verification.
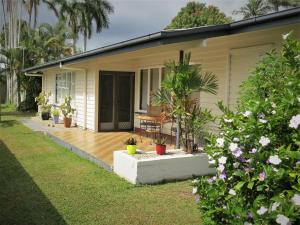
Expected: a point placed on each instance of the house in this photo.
(110, 84)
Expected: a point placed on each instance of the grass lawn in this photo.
(43, 183)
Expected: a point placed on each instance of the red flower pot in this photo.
(160, 149)
(67, 122)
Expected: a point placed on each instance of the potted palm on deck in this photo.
(67, 111)
(43, 104)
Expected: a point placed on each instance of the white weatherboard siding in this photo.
(91, 100)
(242, 62)
(79, 97)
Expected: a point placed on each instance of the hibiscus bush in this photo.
(257, 153)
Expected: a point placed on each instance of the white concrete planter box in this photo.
(149, 168)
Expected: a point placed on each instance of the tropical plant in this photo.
(196, 14)
(257, 152)
(55, 112)
(43, 101)
(175, 95)
(276, 4)
(131, 141)
(253, 8)
(160, 141)
(66, 108)
(80, 16)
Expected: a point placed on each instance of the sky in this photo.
(133, 18)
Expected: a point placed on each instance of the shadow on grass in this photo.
(21, 200)
(8, 123)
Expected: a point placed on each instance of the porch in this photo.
(94, 146)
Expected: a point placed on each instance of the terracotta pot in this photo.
(67, 122)
(160, 149)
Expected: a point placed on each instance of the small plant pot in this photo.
(56, 119)
(160, 149)
(131, 149)
(45, 115)
(67, 122)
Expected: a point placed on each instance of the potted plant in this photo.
(43, 104)
(67, 111)
(131, 145)
(55, 114)
(160, 146)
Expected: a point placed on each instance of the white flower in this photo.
(220, 142)
(274, 206)
(195, 190)
(247, 113)
(282, 220)
(273, 105)
(262, 210)
(264, 141)
(212, 162)
(228, 120)
(285, 36)
(295, 121)
(222, 160)
(247, 223)
(195, 181)
(232, 192)
(296, 199)
(233, 147)
(236, 139)
(274, 159)
(236, 164)
(273, 112)
(263, 121)
(221, 168)
(298, 99)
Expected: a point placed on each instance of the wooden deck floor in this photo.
(102, 145)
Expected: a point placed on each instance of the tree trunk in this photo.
(178, 130)
(84, 42)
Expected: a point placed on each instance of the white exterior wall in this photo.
(227, 57)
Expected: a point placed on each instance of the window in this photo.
(154, 80)
(65, 86)
(144, 89)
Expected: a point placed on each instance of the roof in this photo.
(281, 18)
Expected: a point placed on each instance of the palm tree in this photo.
(93, 11)
(181, 81)
(276, 4)
(32, 7)
(253, 8)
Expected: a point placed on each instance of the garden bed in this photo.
(149, 168)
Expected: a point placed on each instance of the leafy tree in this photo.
(253, 8)
(257, 153)
(276, 4)
(196, 14)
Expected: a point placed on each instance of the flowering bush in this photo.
(257, 153)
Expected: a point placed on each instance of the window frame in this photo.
(71, 89)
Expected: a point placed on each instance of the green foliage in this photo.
(55, 112)
(196, 14)
(260, 7)
(257, 152)
(43, 101)
(131, 141)
(160, 141)
(175, 96)
(66, 108)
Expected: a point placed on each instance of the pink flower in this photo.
(262, 176)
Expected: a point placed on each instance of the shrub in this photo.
(257, 152)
